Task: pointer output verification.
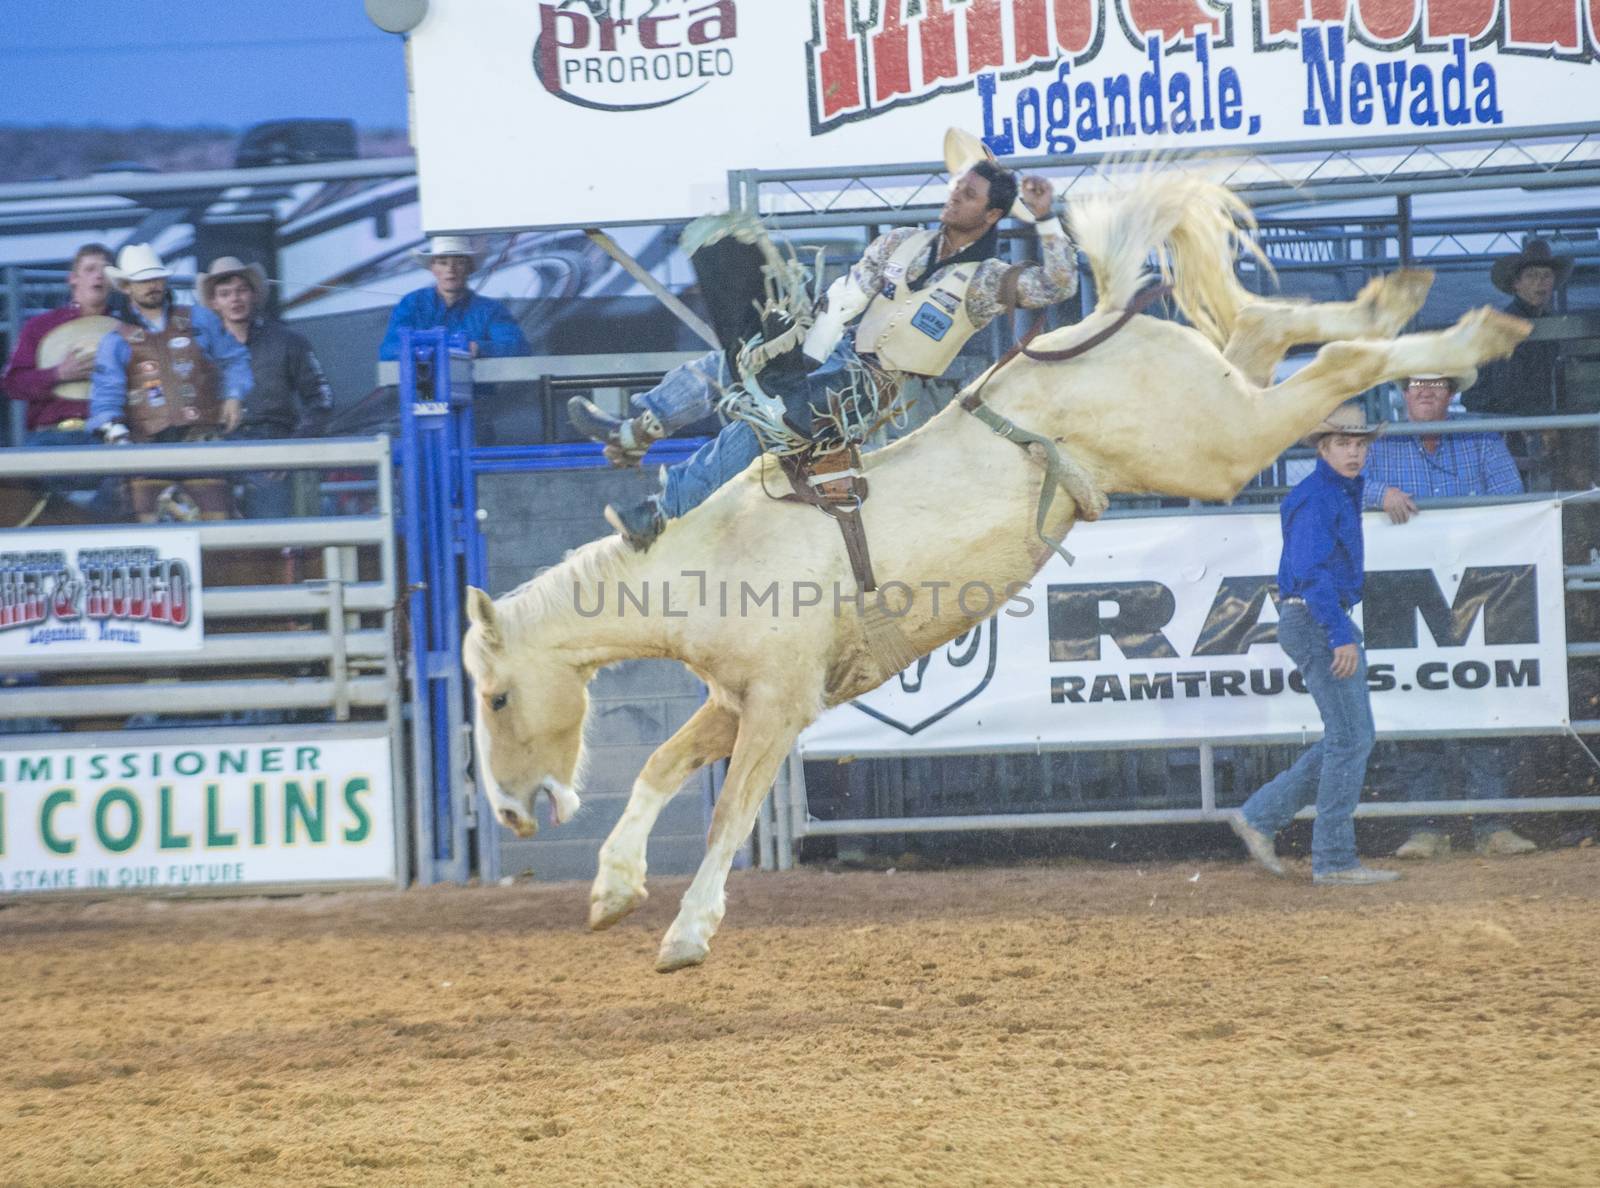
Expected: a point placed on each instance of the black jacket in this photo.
(1523, 385)
(291, 397)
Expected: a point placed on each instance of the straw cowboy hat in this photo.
(963, 150)
(1461, 381)
(137, 262)
(221, 269)
(446, 245)
(1535, 253)
(1350, 419)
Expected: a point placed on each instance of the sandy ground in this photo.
(1189, 1023)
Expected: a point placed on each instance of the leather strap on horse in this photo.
(1057, 470)
(806, 483)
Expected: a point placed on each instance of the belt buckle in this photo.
(70, 425)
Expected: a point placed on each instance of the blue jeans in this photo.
(1331, 771)
(689, 483)
(1468, 769)
(688, 393)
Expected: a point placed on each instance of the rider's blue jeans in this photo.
(688, 484)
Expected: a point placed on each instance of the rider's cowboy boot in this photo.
(625, 441)
(639, 524)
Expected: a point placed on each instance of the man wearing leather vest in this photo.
(921, 294)
(169, 372)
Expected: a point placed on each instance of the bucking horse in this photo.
(1157, 407)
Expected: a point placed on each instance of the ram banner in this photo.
(543, 113)
(1166, 629)
(99, 592)
(205, 817)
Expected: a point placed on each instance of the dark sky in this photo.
(221, 62)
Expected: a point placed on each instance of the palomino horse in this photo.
(1158, 407)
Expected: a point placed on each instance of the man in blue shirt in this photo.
(1320, 576)
(1399, 471)
(450, 305)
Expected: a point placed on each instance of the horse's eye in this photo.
(498, 701)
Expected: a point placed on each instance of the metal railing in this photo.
(315, 644)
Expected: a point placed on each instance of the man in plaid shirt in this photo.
(1399, 471)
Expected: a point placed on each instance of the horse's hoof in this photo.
(613, 906)
(1493, 333)
(1396, 298)
(680, 954)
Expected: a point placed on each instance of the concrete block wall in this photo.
(533, 520)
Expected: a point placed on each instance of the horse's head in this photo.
(530, 713)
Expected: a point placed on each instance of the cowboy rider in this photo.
(921, 295)
(168, 372)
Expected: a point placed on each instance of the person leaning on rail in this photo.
(920, 296)
(168, 372)
(1320, 576)
(450, 305)
(1399, 471)
(291, 396)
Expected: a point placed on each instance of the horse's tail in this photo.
(1196, 229)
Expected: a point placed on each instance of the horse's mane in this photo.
(550, 591)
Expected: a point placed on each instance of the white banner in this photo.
(99, 592)
(1166, 628)
(540, 113)
(203, 817)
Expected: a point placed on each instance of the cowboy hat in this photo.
(1535, 253)
(446, 245)
(79, 336)
(1349, 418)
(1460, 381)
(137, 262)
(963, 150)
(221, 269)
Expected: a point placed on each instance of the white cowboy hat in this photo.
(137, 262)
(446, 245)
(1461, 380)
(963, 150)
(221, 269)
(1349, 418)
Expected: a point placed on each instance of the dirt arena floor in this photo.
(1078, 1023)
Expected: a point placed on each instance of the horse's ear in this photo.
(480, 610)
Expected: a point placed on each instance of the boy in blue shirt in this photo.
(1320, 577)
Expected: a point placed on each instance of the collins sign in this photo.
(543, 113)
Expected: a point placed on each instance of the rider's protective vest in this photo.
(172, 382)
(920, 331)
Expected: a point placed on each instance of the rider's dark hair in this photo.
(1002, 185)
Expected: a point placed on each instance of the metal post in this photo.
(1403, 229)
(1208, 779)
(338, 656)
(410, 462)
(16, 412)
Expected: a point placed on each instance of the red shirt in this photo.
(25, 380)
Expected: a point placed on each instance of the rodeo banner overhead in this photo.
(1166, 629)
(658, 99)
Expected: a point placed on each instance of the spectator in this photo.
(450, 305)
(1399, 471)
(1524, 384)
(291, 396)
(1320, 577)
(169, 372)
(57, 395)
